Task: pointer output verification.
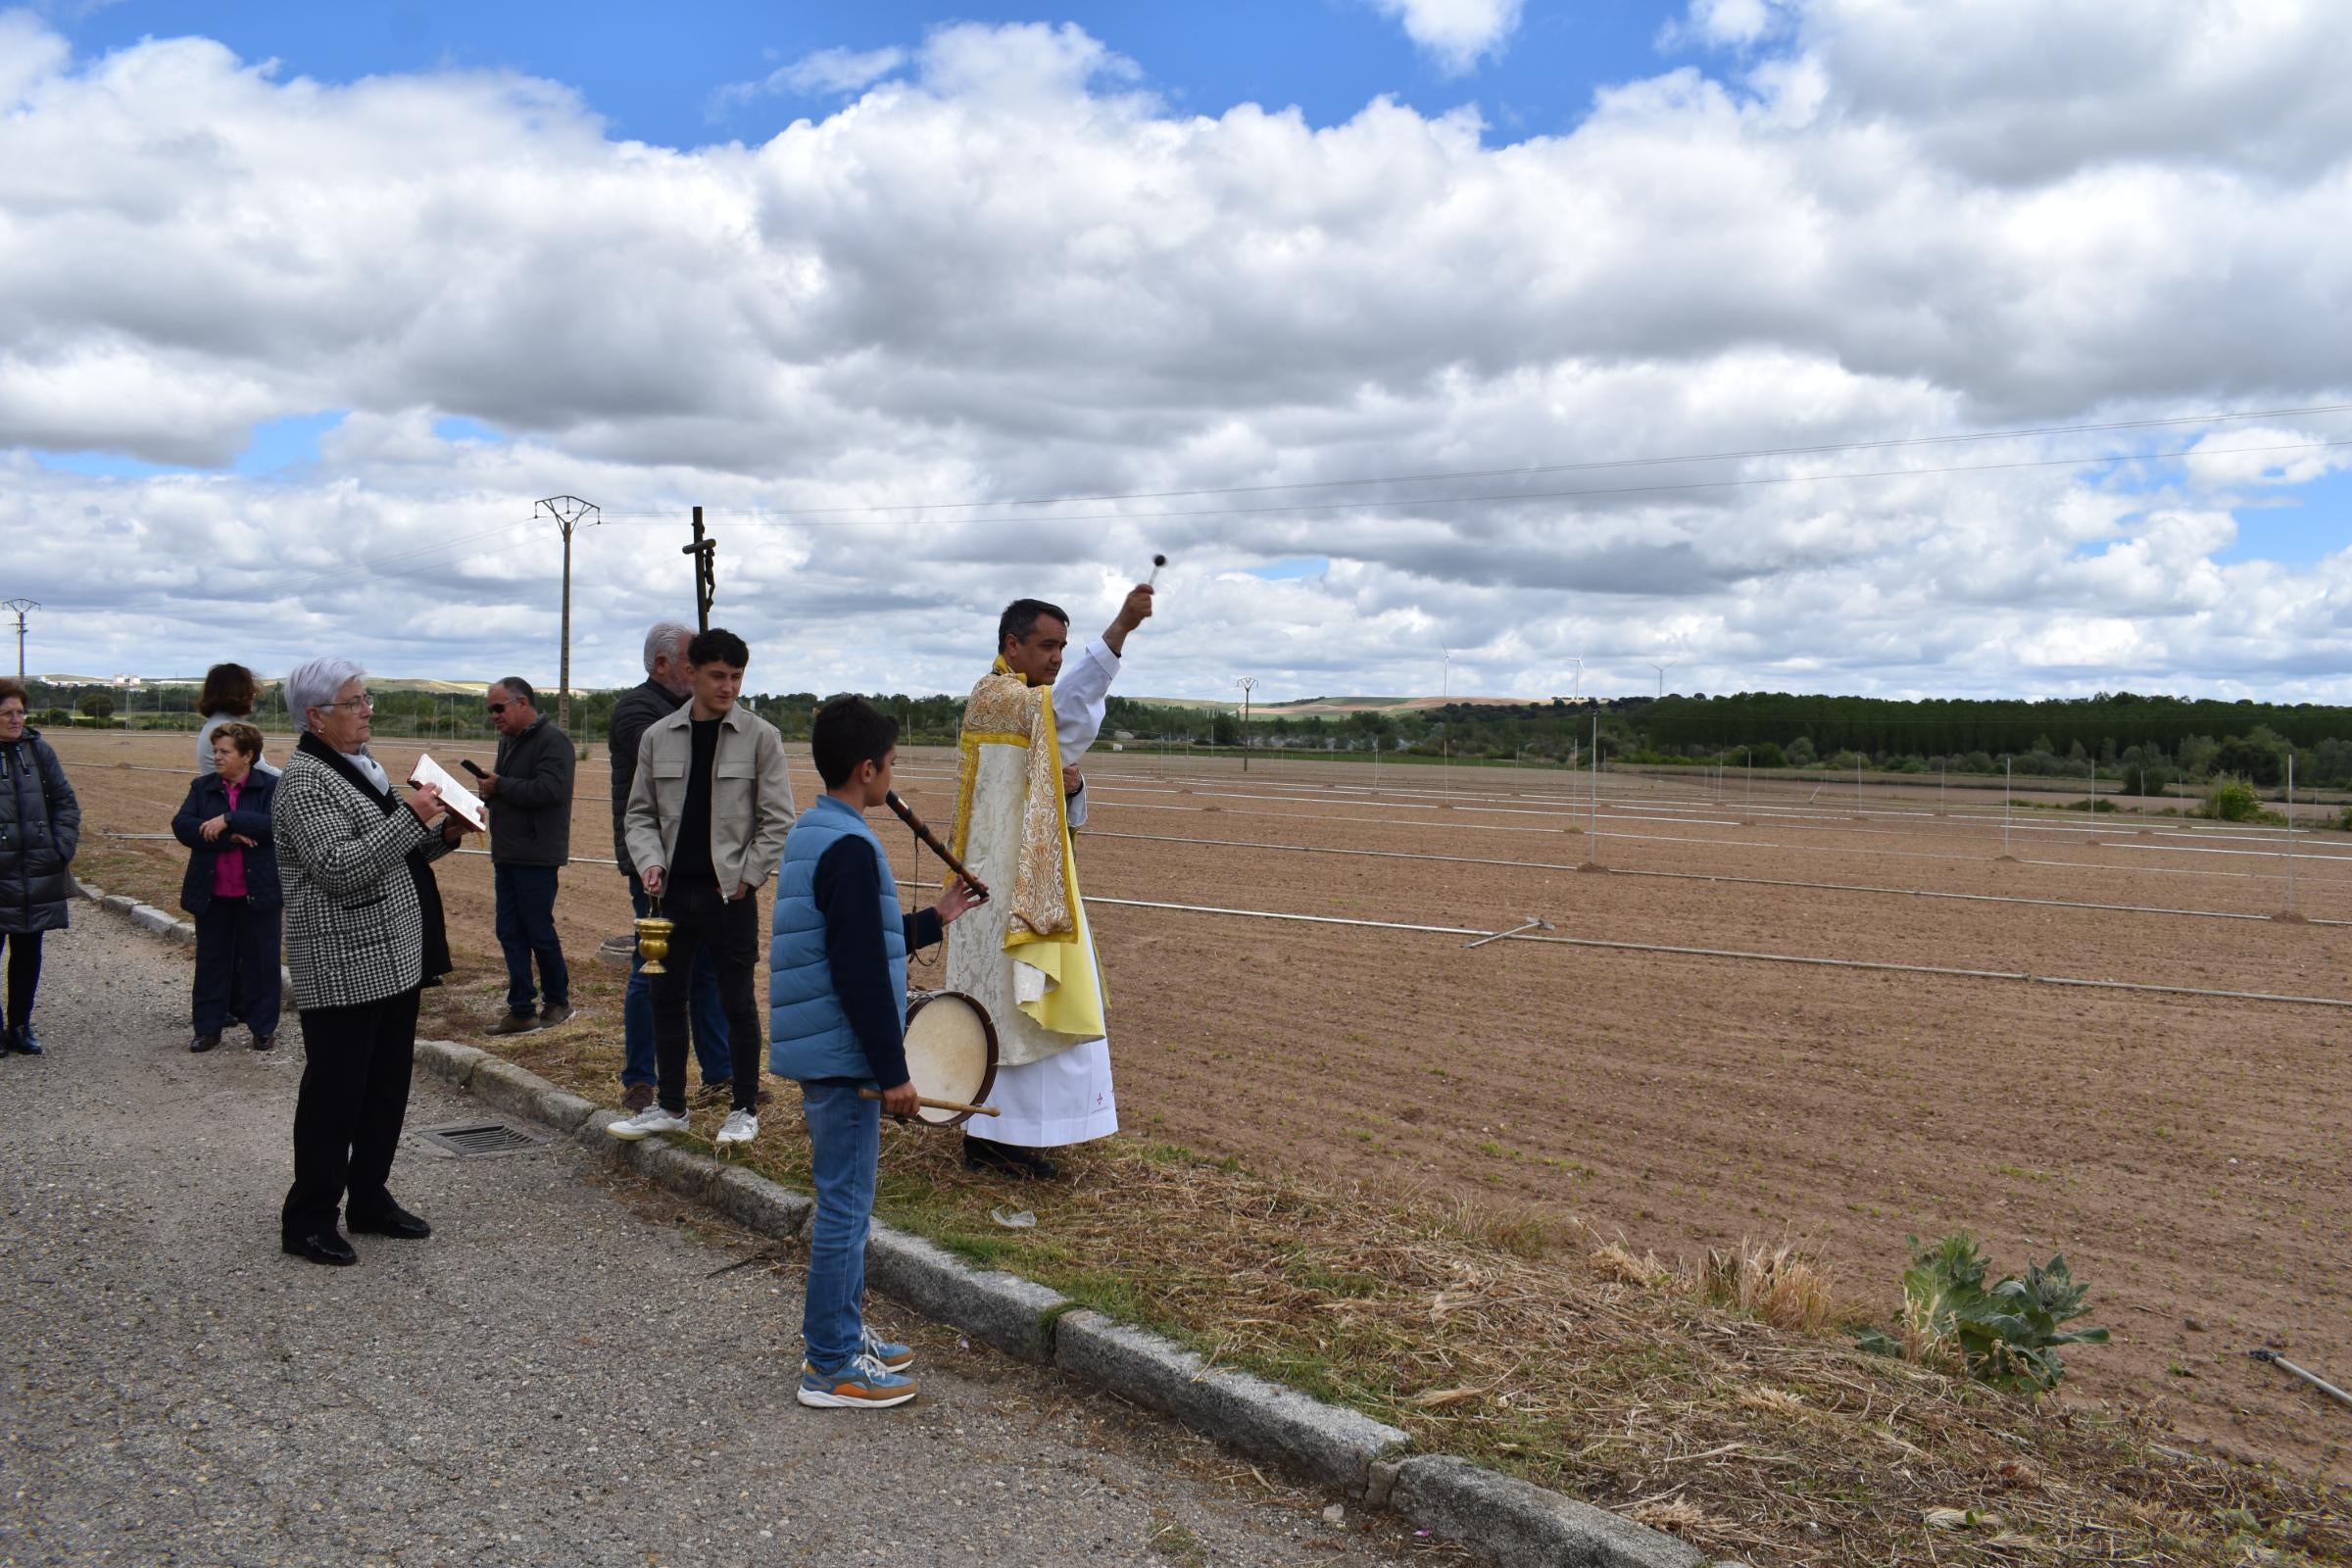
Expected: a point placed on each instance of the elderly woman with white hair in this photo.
(363, 936)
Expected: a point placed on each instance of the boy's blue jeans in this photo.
(704, 1008)
(844, 1146)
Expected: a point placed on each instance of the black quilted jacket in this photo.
(40, 828)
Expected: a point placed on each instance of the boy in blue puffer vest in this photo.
(837, 999)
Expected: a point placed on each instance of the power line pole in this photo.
(568, 510)
(1247, 684)
(21, 605)
(705, 570)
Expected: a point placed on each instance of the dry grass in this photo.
(1705, 1400)
(1778, 1284)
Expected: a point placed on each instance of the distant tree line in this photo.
(2144, 744)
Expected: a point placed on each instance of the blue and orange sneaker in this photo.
(864, 1383)
(895, 1357)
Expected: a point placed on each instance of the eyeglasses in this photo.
(364, 702)
(497, 708)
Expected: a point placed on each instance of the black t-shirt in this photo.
(694, 823)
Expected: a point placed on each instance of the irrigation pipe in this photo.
(1704, 876)
(2273, 1358)
(1734, 953)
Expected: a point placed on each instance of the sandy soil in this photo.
(2184, 1152)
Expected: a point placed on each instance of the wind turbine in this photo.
(1661, 670)
(1580, 677)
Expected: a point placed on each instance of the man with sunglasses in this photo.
(529, 795)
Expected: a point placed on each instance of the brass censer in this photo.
(653, 939)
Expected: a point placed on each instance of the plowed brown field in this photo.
(2186, 1152)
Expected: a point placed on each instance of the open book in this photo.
(457, 796)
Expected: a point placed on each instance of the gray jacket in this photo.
(750, 795)
(531, 816)
(355, 931)
(637, 708)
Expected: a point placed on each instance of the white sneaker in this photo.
(741, 1128)
(652, 1119)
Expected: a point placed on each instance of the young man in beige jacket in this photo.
(707, 814)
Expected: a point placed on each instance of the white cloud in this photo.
(1737, 23)
(1008, 273)
(826, 72)
(1456, 33)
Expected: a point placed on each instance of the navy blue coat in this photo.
(207, 799)
(40, 827)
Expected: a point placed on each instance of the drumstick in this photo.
(938, 1105)
(1157, 562)
(931, 840)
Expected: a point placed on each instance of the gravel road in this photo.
(569, 1372)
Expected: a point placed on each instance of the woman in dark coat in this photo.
(40, 828)
(231, 888)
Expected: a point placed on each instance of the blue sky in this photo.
(257, 327)
(652, 71)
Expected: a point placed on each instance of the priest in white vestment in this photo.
(1026, 954)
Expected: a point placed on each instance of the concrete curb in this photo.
(1330, 1445)
(757, 1203)
(1017, 1316)
(1520, 1525)
(1509, 1522)
(448, 1062)
(157, 921)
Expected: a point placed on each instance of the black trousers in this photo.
(355, 1096)
(236, 966)
(24, 973)
(730, 929)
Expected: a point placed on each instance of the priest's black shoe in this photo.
(396, 1222)
(981, 1154)
(23, 1041)
(204, 1042)
(322, 1247)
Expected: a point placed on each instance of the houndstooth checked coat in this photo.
(354, 932)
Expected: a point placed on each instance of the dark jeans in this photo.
(709, 1015)
(355, 1096)
(236, 966)
(24, 973)
(729, 931)
(526, 930)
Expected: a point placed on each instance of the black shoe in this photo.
(204, 1042)
(321, 1247)
(396, 1222)
(980, 1153)
(265, 1042)
(23, 1042)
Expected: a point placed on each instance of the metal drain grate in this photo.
(481, 1140)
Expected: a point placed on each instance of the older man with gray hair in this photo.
(667, 685)
(364, 935)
